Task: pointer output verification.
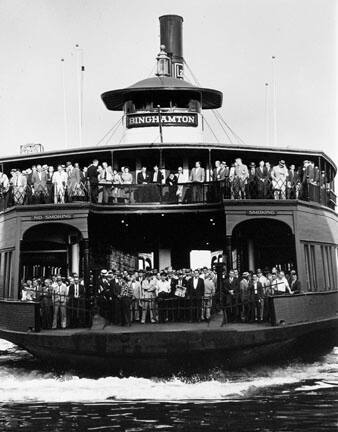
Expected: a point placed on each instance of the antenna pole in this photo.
(65, 116)
(267, 115)
(80, 70)
(274, 88)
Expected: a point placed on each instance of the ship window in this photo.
(307, 267)
(325, 268)
(329, 264)
(6, 273)
(310, 266)
(313, 268)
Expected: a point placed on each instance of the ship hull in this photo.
(168, 350)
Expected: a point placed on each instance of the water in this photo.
(299, 396)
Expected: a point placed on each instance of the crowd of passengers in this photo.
(103, 184)
(158, 297)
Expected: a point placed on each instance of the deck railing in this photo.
(109, 194)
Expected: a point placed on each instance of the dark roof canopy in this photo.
(115, 99)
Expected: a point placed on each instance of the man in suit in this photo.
(156, 176)
(74, 179)
(261, 179)
(92, 176)
(244, 296)
(295, 284)
(195, 292)
(197, 177)
(39, 180)
(251, 186)
(292, 183)
(103, 298)
(241, 175)
(77, 302)
(218, 173)
(229, 298)
(257, 299)
(143, 177)
(114, 298)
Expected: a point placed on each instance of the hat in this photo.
(104, 272)
(252, 164)
(58, 277)
(245, 274)
(282, 162)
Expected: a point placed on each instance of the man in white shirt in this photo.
(59, 181)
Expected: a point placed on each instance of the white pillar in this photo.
(251, 255)
(186, 167)
(75, 258)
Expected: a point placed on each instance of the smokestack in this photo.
(171, 37)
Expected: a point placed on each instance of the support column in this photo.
(86, 274)
(251, 255)
(186, 167)
(75, 258)
(228, 252)
(15, 276)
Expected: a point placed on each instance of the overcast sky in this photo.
(227, 43)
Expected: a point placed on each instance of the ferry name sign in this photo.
(153, 120)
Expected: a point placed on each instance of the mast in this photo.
(80, 75)
(65, 116)
(274, 102)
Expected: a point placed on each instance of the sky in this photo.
(228, 44)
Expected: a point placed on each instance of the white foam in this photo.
(21, 385)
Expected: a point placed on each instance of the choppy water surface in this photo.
(301, 396)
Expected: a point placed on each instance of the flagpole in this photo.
(267, 115)
(65, 116)
(274, 89)
(80, 69)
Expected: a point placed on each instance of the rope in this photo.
(109, 131)
(217, 114)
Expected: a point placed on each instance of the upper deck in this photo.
(162, 196)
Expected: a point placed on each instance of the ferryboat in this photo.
(146, 226)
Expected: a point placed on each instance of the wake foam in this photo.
(20, 385)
